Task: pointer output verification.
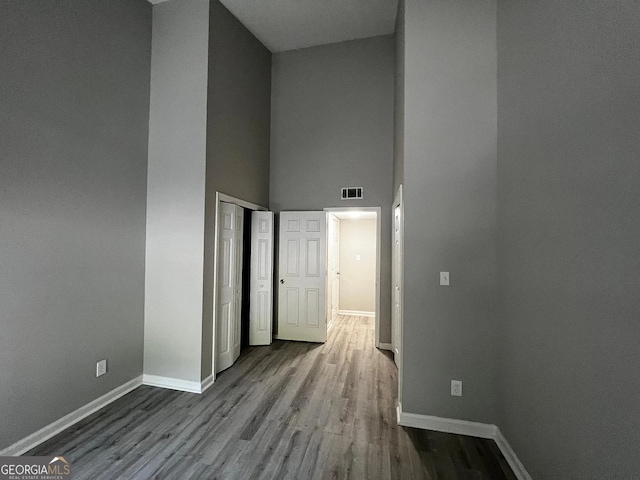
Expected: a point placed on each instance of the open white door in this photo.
(261, 296)
(396, 274)
(302, 269)
(229, 285)
(334, 267)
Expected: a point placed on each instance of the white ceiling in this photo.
(289, 24)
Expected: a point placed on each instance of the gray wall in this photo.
(74, 91)
(398, 109)
(332, 127)
(450, 208)
(358, 276)
(569, 230)
(176, 190)
(238, 122)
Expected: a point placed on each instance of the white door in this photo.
(302, 266)
(261, 297)
(334, 267)
(228, 325)
(396, 280)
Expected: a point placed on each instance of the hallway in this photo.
(290, 410)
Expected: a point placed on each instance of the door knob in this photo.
(281, 281)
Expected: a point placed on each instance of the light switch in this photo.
(358, 257)
(444, 279)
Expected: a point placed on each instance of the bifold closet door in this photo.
(228, 318)
(261, 297)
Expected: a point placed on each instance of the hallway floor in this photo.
(291, 410)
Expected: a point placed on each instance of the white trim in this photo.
(378, 211)
(397, 269)
(448, 425)
(464, 427)
(223, 197)
(45, 433)
(386, 346)
(177, 384)
(511, 457)
(206, 383)
(357, 313)
(329, 325)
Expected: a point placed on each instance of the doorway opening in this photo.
(353, 264)
(246, 281)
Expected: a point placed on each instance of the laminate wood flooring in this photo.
(291, 410)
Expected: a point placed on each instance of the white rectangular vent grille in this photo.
(350, 193)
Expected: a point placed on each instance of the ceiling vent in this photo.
(352, 193)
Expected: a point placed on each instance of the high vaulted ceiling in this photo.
(289, 24)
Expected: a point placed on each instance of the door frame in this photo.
(222, 197)
(378, 212)
(329, 291)
(398, 322)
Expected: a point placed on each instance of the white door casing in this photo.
(229, 285)
(397, 274)
(396, 283)
(334, 266)
(261, 301)
(302, 266)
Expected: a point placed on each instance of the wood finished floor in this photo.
(291, 410)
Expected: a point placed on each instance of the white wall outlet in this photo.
(444, 279)
(101, 368)
(456, 388)
(358, 257)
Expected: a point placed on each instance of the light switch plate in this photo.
(444, 279)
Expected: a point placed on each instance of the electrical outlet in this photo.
(444, 279)
(101, 368)
(456, 388)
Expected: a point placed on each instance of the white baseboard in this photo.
(356, 313)
(177, 384)
(448, 425)
(35, 439)
(385, 346)
(511, 457)
(463, 427)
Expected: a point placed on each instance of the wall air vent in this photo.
(352, 193)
